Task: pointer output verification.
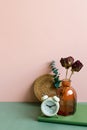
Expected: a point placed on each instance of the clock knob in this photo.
(44, 97)
(56, 98)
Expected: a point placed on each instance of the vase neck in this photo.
(66, 83)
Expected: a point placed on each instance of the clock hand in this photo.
(48, 105)
(53, 105)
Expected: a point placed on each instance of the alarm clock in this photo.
(50, 105)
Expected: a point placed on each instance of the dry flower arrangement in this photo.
(67, 63)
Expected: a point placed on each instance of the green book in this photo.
(79, 118)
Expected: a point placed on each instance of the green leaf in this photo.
(56, 79)
(57, 84)
(52, 63)
(53, 68)
(55, 76)
(55, 71)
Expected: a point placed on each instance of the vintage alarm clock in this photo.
(50, 105)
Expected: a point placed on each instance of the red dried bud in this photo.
(76, 66)
(67, 62)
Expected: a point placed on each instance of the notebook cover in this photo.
(79, 118)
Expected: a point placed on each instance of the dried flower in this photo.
(76, 66)
(67, 62)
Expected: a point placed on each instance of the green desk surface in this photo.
(79, 118)
(24, 116)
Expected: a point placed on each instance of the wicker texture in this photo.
(43, 85)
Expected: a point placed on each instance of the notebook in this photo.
(79, 118)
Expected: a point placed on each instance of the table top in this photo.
(23, 116)
(78, 118)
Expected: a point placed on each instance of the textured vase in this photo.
(68, 98)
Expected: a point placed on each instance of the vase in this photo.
(68, 98)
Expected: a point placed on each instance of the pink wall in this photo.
(34, 32)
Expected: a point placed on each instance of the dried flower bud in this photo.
(67, 62)
(76, 66)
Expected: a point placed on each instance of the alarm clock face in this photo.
(49, 107)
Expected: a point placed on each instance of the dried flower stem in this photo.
(66, 73)
(71, 75)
